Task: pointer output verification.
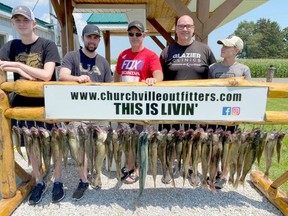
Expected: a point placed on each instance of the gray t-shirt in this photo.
(218, 70)
(98, 70)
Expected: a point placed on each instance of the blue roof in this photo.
(107, 18)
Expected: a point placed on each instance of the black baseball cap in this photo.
(90, 29)
(137, 24)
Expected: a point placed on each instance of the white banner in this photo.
(155, 103)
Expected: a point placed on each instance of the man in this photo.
(137, 64)
(228, 67)
(187, 59)
(85, 65)
(33, 58)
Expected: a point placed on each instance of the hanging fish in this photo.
(16, 139)
(143, 161)
(281, 136)
(45, 140)
(28, 140)
(206, 149)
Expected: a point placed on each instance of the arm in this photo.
(117, 77)
(65, 75)
(26, 71)
(157, 77)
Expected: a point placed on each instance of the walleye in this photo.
(27, 142)
(117, 150)
(196, 153)
(83, 140)
(245, 139)
(99, 156)
(262, 143)
(152, 150)
(250, 155)
(206, 147)
(224, 155)
(143, 161)
(215, 156)
(55, 145)
(161, 151)
(64, 144)
(279, 144)
(179, 148)
(272, 138)
(36, 147)
(45, 139)
(16, 139)
(109, 148)
(171, 140)
(187, 149)
(73, 139)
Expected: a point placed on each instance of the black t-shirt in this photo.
(186, 62)
(34, 55)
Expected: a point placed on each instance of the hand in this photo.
(4, 65)
(150, 81)
(83, 79)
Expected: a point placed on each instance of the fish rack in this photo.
(13, 195)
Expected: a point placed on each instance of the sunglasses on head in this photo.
(137, 34)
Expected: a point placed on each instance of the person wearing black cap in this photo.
(85, 65)
(32, 58)
(137, 64)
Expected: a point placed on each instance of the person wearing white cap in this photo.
(32, 58)
(228, 67)
(85, 65)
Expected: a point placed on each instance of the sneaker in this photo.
(37, 194)
(57, 192)
(79, 192)
(220, 183)
(191, 178)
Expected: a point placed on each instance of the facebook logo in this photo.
(226, 111)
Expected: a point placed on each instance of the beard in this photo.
(90, 48)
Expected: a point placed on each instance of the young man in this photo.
(228, 67)
(137, 64)
(33, 58)
(85, 65)
(187, 59)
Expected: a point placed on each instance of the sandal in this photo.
(133, 177)
(126, 173)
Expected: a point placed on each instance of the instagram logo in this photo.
(235, 111)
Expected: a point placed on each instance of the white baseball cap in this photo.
(232, 41)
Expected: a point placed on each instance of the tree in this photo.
(263, 39)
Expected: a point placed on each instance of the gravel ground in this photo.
(114, 199)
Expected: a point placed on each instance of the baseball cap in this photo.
(137, 24)
(24, 11)
(90, 29)
(232, 41)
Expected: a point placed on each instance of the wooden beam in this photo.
(219, 15)
(8, 179)
(181, 9)
(106, 37)
(275, 196)
(281, 180)
(7, 206)
(157, 41)
(161, 30)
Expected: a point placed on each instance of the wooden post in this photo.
(7, 164)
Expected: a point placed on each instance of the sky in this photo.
(275, 10)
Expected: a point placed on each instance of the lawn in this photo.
(277, 169)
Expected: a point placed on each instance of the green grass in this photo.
(277, 169)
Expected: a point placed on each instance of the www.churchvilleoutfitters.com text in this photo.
(152, 103)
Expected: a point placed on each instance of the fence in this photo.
(13, 195)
